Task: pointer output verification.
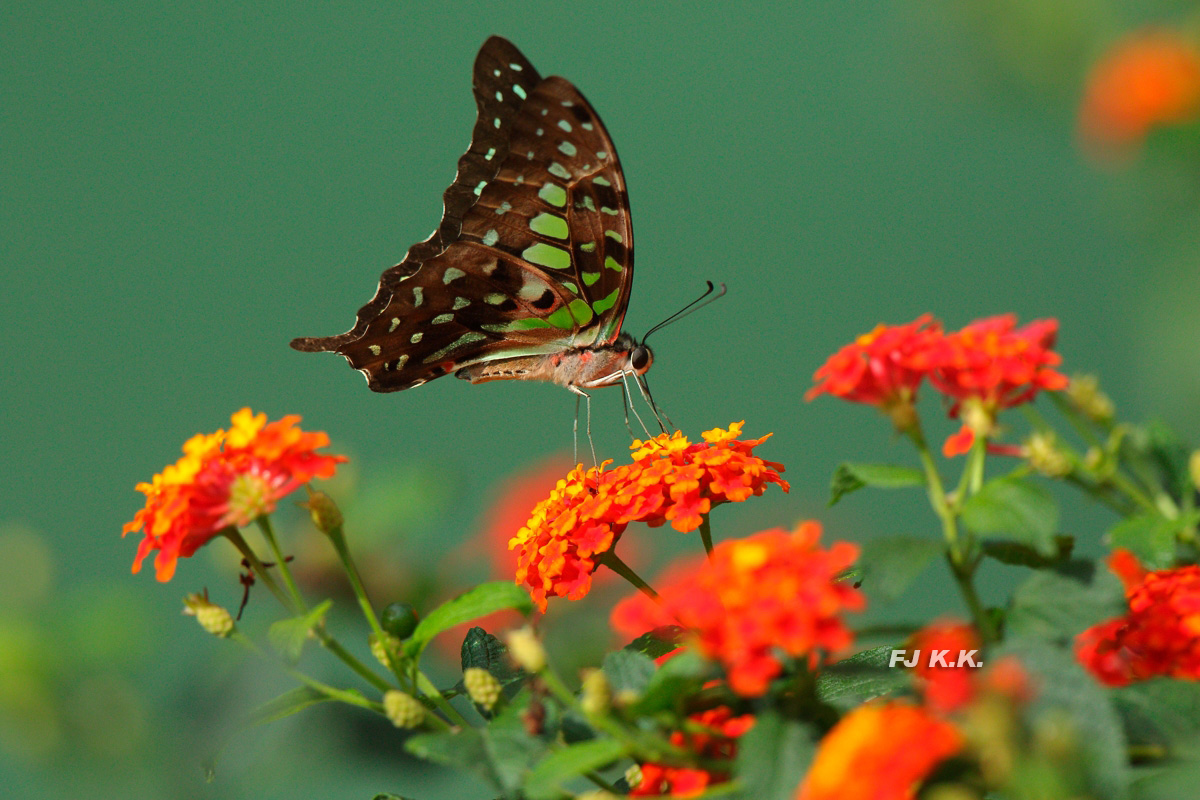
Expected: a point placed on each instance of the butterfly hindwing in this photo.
(534, 251)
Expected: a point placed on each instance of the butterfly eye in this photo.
(639, 358)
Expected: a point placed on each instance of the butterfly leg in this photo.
(659, 414)
(625, 387)
(587, 404)
(625, 405)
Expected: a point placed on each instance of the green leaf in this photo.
(1150, 537)
(511, 749)
(628, 670)
(849, 478)
(860, 677)
(673, 681)
(891, 563)
(483, 650)
(657, 642)
(1063, 687)
(1169, 781)
(1016, 509)
(1022, 555)
(1161, 712)
(459, 748)
(390, 796)
(773, 756)
(478, 602)
(285, 705)
(287, 636)
(1057, 606)
(545, 781)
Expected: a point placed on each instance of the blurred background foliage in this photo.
(185, 188)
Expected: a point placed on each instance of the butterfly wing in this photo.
(534, 253)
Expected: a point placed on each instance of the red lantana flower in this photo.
(225, 479)
(991, 365)
(670, 480)
(720, 743)
(1149, 79)
(771, 593)
(882, 368)
(1160, 636)
(879, 751)
(946, 688)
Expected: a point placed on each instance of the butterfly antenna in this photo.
(624, 381)
(691, 307)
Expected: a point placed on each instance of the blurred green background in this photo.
(187, 187)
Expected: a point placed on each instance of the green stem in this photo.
(611, 560)
(937, 493)
(963, 575)
(333, 693)
(257, 567)
(285, 572)
(706, 535)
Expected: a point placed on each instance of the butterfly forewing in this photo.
(534, 251)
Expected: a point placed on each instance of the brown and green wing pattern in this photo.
(534, 253)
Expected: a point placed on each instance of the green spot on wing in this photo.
(581, 311)
(549, 225)
(548, 255)
(611, 263)
(591, 277)
(605, 303)
(553, 194)
(561, 319)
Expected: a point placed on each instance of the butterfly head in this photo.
(640, 359)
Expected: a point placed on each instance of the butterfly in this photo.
(528, 275)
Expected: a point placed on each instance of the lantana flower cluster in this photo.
(1159, 637)
(671, 480)
(718, 743)
(988, 366)
(225, 479)
(755, 598)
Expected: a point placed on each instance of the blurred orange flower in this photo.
(1160, 636)
(670, 480)
(949, 687)
(225, 479)
(720, 743)
(770, 593)
(879, 751)
(1148, 79)
(882, 368)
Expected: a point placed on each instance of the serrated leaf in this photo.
(891, 563)
(1064, 687)
(628, 671)
(674, 680)
(545, 781)
(1058, 605)
(287, 636)
(860, 677)
(1150, 537)
(1022, 555)
(473, 604)
(483, 650)
(511, 749)
(1014, 508)
(849, 478)
(773, 756)
(657, 642)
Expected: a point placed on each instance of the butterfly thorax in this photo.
(580, 367)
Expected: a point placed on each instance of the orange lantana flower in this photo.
(882, 368)
(1160, 636)
(991, 365)
(1151, 78)
(755, 598)
(670, 480)
(225, 479)
(950, 687)
(720, 743)
(879, 751)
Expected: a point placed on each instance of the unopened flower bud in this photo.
(633, 776)
(597, 694)
(596, 794)
(390, 644)
(402, 709)
(1194, 469)
(1084, 393)
(212, 617)
(526, 650)
(976, 416)
(326, 516)
(902, 413)
(482, 687)
(1043, 455)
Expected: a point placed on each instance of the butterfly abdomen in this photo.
(583, 367)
